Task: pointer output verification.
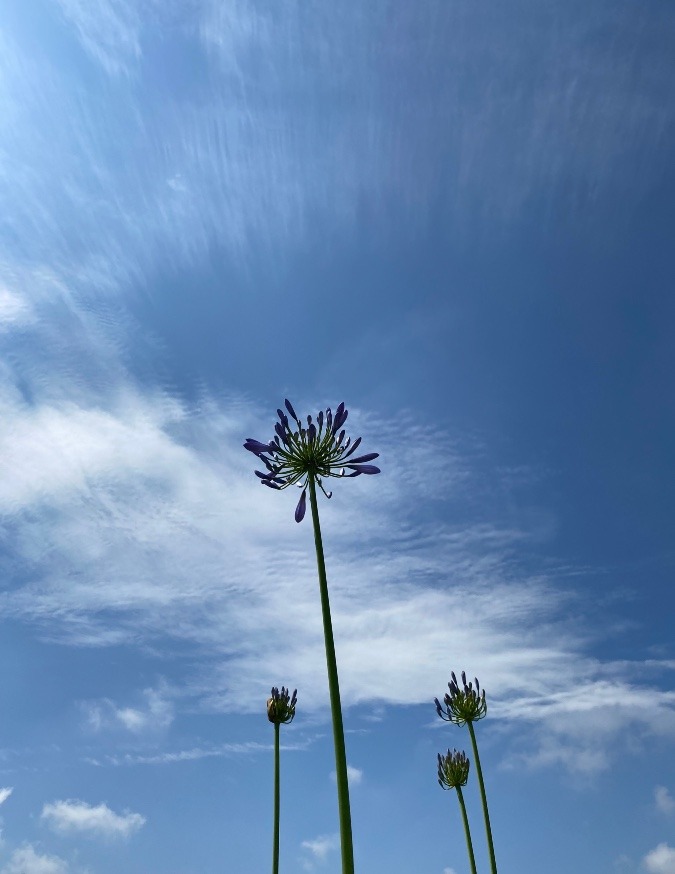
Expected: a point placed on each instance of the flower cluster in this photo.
(462, 705)
(453, 770)
(281, 706)
(299, 453)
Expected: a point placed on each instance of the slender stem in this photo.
(486, 815)
(275, 851)
(469, 845)
(334, 689)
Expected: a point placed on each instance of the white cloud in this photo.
(155, 715)
(5, 792)
(25, 860)
(162, 498)
(664, 800)
(321, 846)
(78, 816)
(14, 310)
(660, 860)
(449, 871)
(354, 775)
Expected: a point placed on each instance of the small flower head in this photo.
(281, 706)
(462, 705)
(453, 770)
(299, 453)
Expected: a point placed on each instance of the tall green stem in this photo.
(469, 845)
(334, 689)
(486, 815)
(275, 851)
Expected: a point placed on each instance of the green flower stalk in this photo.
(280, 711)
(306, 456)
(464, 706)
(453, 773)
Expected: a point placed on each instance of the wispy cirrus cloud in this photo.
(321, 135)
(109, 31)
(171, 757)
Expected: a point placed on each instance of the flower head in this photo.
(299, 453)
(281, 706)
(464, 704)
(453, 770)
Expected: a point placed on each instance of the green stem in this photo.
(275, 851)
(334, 689)
(486, 815)
(469, 845)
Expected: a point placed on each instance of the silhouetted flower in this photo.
(281, 706)
(298, 453)
(462, 705)
(453, 770)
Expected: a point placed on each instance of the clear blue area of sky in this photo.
(458, 218)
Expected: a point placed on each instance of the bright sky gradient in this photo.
(456, 216)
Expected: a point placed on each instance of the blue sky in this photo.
(454, 216)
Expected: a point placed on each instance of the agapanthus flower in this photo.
(453, 770)
(281, 706)
(462, 705)
(317, 450)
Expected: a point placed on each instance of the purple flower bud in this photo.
(319, 418)
(340, 417)
(280, 431)
(355, 444)
(341, 437)
(266, 482)
(289, 407)
(302, 506)
(364, 468)
(311, 432)
(369, 457)
(255, 446)
(283, 418)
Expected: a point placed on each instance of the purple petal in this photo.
(369, 457)
(320, 418)
(289, 407)
(311, 432)
(302, 506)
(329, 420)
(364, 468)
